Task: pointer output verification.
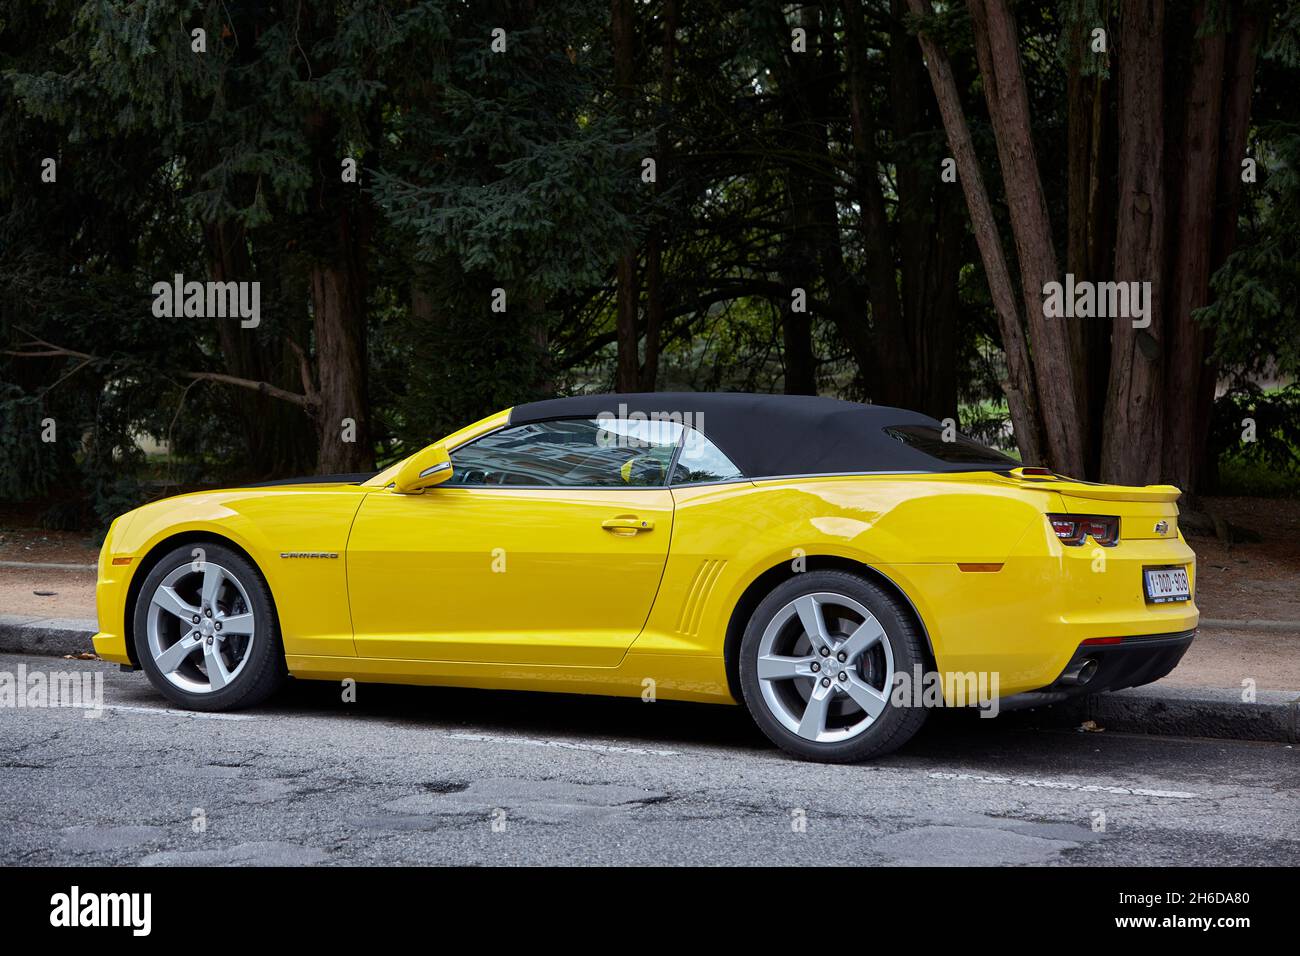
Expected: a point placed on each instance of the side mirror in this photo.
(426, 468)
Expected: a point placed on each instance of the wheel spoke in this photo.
(212, 578)
(813, 723)
(218, 675)
(814, 623)
(175, 655)
(866, 635)
(866, 696)
(171, 602)
(236, 624)
(777, 667)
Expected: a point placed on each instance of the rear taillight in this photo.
(1067, 529)
(1074, 529)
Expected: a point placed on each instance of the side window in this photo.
(569, 452)
(702, 461)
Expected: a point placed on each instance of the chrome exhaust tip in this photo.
(1080, 672)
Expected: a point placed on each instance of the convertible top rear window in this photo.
(960, 450)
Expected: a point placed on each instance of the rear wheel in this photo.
(817, 666)
(205, 630)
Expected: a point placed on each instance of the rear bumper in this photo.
(1028, 620)
(1131, 662)
(1134, 661)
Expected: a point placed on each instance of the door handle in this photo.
(627, 524)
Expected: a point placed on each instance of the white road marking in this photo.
(168, 712)
(564, 745)
(1066, 785)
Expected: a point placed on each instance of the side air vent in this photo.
(688, 622)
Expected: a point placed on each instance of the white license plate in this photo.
(1164, 585)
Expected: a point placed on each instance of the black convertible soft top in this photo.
(769, 436)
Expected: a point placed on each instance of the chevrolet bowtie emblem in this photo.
(1162, 527)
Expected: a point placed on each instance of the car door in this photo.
(546, 546)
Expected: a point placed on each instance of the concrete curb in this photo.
(47, 566)
(1199, 712)
(1250, 625)
(1168, 710)
(48, 636)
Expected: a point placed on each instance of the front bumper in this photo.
(111, 588)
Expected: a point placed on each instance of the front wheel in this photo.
(205, 630)
(817, 666)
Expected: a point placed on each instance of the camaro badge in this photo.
(309, 554)
(1162, 527)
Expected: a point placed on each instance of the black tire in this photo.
(894, 726)
(263, 670)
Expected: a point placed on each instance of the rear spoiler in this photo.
(1096, 492)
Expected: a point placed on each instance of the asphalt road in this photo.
(427, 775)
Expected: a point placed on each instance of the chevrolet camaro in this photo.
(811, 559)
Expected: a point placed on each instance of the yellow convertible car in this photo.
(836, 567)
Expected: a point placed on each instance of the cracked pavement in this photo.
(410, 775)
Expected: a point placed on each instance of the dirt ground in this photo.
(1225, 658)
(1251, 580)
(47, 593)
(26, 591)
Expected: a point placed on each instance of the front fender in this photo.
(310, 596)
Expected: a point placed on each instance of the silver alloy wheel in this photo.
(825, 666)
(200, 627)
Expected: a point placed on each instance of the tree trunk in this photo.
(338, 293)
(1131, 444)
(798, 270)
(654, 310)
(654, 246)
(1019, 386)
(1196, 182)
(815, 104)
(543, 384)
(628, 370)
(801, 240)
(797, 351)
(891, 363)
(1090, 235)
(1054, 343)
(930, 227)
(271, 430)
(1239, 80)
